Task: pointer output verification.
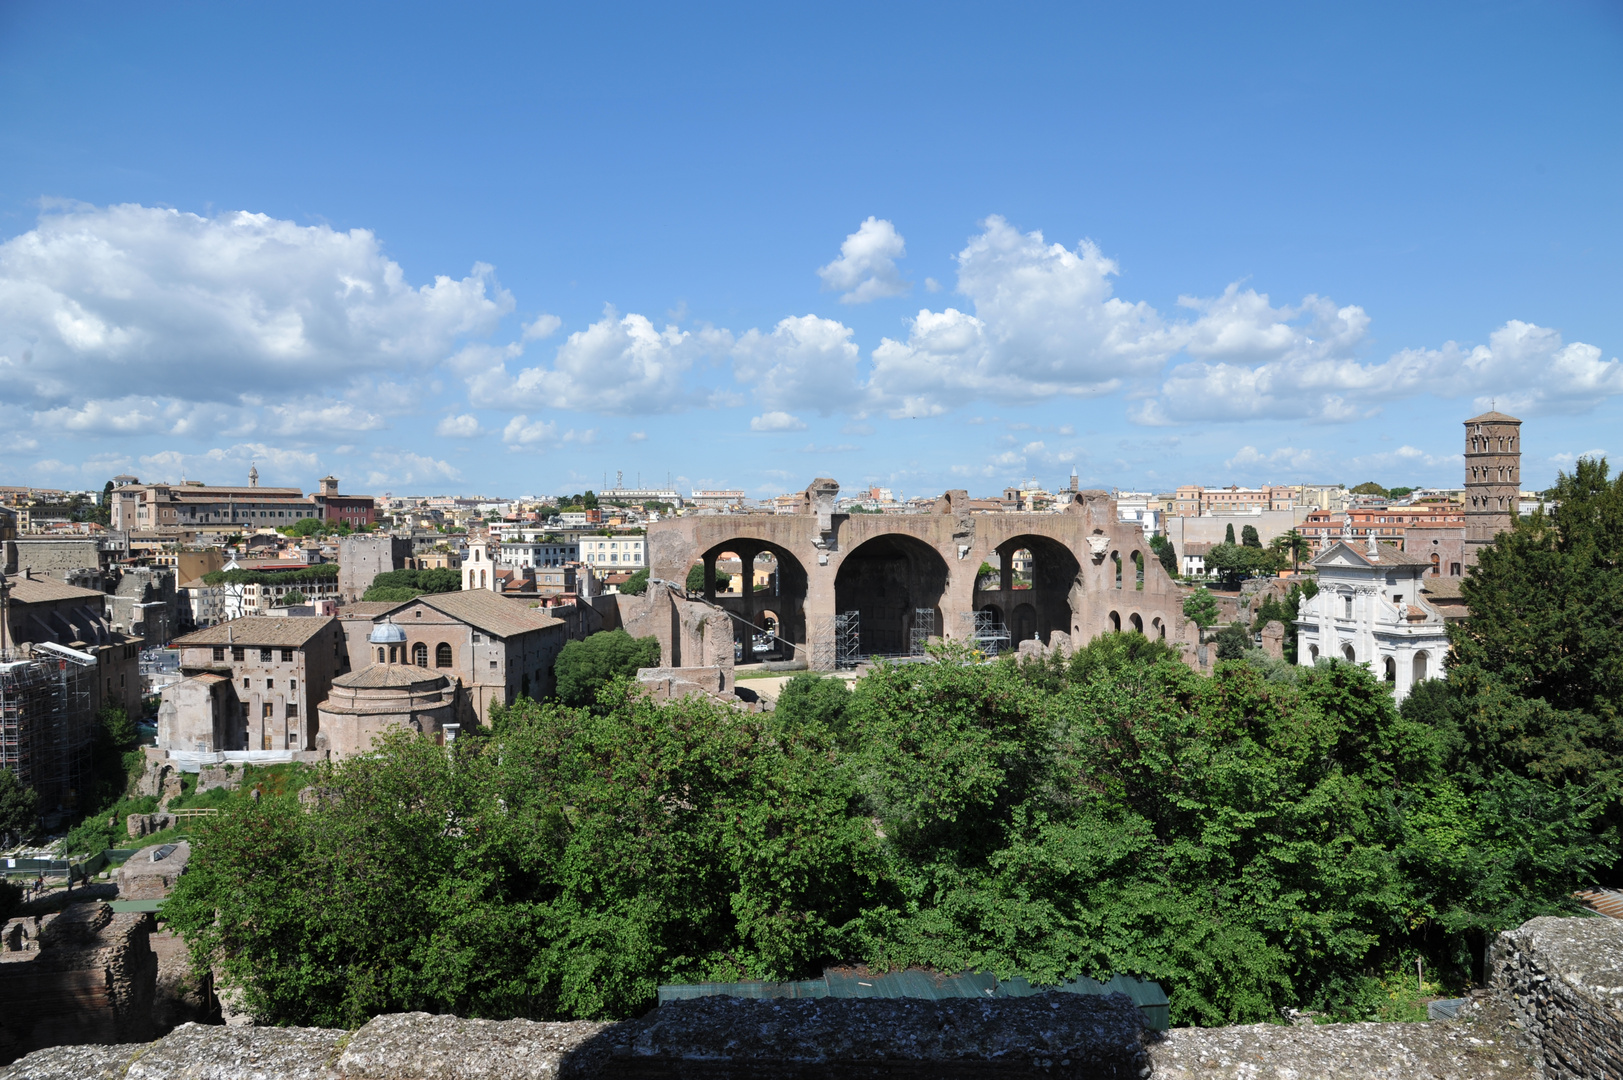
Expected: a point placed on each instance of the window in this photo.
(270, 684)
(265, 710)
(245, 682)
(476, 637)
(292, 684)
(419, 654)
(219, 652)
(264, 656)
(1346, 602)
(493, 665)
(380, 656)
(292, 710)
(236, 653)
(442, 654)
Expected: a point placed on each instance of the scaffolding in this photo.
(987, 631)
(46, 724)
(847, 639)
(923, 631)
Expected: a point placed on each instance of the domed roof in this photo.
(387, 633)
(392, 677)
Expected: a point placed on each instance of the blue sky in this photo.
(512, 249)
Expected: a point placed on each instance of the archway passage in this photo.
(887, 580)
(1037, 573)
(1420, 671)
(770, 580)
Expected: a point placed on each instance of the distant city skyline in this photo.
(515, 248)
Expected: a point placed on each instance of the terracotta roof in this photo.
(1493, 417)
(391, 676)
(1444, 588)
(38, 590)
(1389, 556)
(489, 612)
(286, 632)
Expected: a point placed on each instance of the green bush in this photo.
(636, 584)
(584, 667)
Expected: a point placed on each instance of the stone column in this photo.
(746, 556)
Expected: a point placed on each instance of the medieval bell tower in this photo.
(1493, 477)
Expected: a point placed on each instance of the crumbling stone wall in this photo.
(90, 980)
(1564, 977)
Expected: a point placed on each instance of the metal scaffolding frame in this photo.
(847, 639)
(46, 723)
(923, 630)
(987, 631)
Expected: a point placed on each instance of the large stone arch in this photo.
(786, 597)
(887, 580)
(1055, 572)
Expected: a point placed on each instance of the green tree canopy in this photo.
(1200, 606)
(584, 667)
(1228, 533)
(1249, 537)
(19, 806)
(1369, 487)
(636, 584)
(293, 597)
(1232, 641)
(1233, 563)
(396, 585)
(695, 582)
(1166, 553)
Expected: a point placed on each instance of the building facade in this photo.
(614, 552)
(1369, 610)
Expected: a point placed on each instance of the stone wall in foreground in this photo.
(1564, 977)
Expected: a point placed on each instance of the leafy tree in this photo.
(1399, 492)
(1232, 641)
(809, 699)
(1291, 543)
(695, 582)
(1234, 563)
(589, 500)
(293, 597)
(585, 667)
(1249, 537)
(1370, 487)
(636, 584)
(396, 585)
(1228, 533)
(1538, 666)
(1200, 606)
(1272, 609)
(19, 806)
(1166, 553)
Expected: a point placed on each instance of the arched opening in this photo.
(1115, 559)
(1138, 570)
(1023, 627)
(1115, 621)
(419, 654)
(1420, 662)
(1159, 627)
(442, 654)
(1313, 653)
(1389, 670)
(1138, 623)
(380, 654)
(894, 584)
(761, 575)
(1038, 572)
(1350, 653)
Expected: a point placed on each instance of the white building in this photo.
(479, 568)
(1369, 611)
(518, 554)
(614, 552)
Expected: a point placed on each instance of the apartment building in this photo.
(614, 552)
(191, 505)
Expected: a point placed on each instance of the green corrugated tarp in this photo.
(136, 905)
(918, 983)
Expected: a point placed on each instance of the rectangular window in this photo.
(236, 653)
(493, 665)
(476, 639)
(293, 684)
(287, 656)
(245, 683)
(219, 652)
(270, 684)
(264, 656)
(266, 710)
(292, 710)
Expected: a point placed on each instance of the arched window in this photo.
(394, 653)
(1138, 570)
(1389, 670)
(1115, 558)
(1350, 654)
(1313, 653)
(1138, 623)
(481, 579)
(442, 654)
(1115, 621)
(419, 654)
(1420, 660)
(380, 654)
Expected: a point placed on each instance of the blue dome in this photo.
(387, 633)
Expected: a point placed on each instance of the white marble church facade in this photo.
(1369, 611)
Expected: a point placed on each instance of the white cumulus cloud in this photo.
(777, 421)
(866, 269)
(465, 426)
(805, 363)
